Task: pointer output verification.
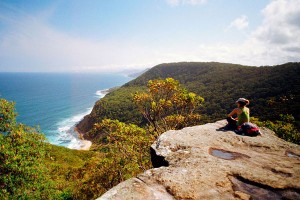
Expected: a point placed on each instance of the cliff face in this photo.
(203, 163)
(85, 125)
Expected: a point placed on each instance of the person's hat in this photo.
(242, 100)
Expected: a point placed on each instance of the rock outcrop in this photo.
(203, 163)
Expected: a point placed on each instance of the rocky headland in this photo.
(202, 162)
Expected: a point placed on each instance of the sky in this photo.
(118, 35)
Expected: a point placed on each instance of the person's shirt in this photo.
(243, 116)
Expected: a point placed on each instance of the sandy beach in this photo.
(85, 145)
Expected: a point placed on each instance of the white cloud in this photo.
(281, 25)
(31, 44)
(275, 41)
(240, 23)
(279, 33)
(185, 2)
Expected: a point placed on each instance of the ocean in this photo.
(56, 102)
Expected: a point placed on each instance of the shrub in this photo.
(122, 153)
(284, 128)
(167, 105)
(23, 174)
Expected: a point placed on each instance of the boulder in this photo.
(203, 162)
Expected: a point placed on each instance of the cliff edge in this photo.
(201, 162)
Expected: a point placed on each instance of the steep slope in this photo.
(272, 91)
(204, 163)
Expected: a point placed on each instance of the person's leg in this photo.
(231, 123)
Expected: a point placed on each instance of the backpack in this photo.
(249, 129)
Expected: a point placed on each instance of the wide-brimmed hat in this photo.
(242, 100)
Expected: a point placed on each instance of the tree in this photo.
(167, 105)
(123, 153)
(7, 116)
(284, 128)
(23, 174)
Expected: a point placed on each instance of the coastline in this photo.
(86, 144)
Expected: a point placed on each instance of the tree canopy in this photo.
(23, 174)
(167, 105)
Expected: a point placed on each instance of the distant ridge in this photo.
(137, 74)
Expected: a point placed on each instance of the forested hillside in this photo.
(272, 90)
(34, 169)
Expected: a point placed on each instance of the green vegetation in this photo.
(167, 105)
(284, 128)
(125, 123)
(123, 149)
(23, 173)
(271, 90)
(119, 151)
(122, 153)
(31, 168)
(64, 166)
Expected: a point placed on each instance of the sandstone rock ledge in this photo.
(203, 163)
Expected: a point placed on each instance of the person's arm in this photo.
(232, 113)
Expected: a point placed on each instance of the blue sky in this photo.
(117, 35)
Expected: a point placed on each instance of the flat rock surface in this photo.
(206, 163)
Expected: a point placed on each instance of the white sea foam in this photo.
(101, 93)
(68, 137)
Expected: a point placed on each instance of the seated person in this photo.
(242, 113)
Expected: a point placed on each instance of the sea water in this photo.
(56, 102)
